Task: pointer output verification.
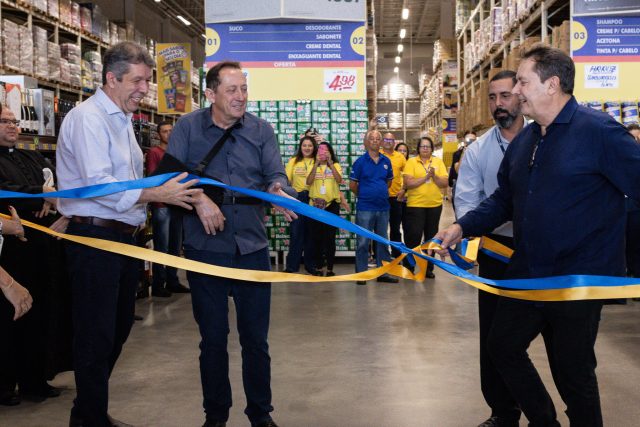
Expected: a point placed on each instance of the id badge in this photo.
(323, 190)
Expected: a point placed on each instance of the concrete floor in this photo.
(342, 355)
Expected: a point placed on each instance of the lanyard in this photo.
(426, 169)
(499, 139)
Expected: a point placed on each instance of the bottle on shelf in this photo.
(35, 121)
(25, 119)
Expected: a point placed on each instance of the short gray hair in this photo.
(118, 59)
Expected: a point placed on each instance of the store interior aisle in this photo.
(342, 355)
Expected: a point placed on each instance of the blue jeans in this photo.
(167, 238)
(209, 295)
(300, 240)
(378, 222)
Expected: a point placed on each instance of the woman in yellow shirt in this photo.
(324, 192)
(298, 169)
(424, 176)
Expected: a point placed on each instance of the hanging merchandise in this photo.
(174, 78)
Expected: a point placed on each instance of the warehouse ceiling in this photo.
(423, 23)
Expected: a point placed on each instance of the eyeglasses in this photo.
(424, 147)
(388, 140)
(10, 122)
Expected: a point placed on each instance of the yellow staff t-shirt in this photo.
(427, 195)
(324, 177)
(297, 173)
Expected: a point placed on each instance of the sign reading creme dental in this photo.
(320, 60)
(606, 51)
(599, 7)
(252, 10)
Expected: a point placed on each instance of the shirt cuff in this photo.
(129, 198)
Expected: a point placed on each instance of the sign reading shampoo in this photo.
(294, 61)
(174, 78)
(606, 50)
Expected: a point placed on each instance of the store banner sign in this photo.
(600, 7)
(219, 11)
(173, 61)
(294, 61)
(606, 51)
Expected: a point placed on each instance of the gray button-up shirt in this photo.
(97, 145)
(478, 174)
(250, 159)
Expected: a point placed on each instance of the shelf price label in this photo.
(340, 81)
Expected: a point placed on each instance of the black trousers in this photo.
(396, 210)
(324, 236)
(633, 243)
(420, 224)
(104, 290)
(495, 391)
(574, 326)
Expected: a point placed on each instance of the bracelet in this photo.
(9, 286)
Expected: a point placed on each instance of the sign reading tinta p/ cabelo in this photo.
(174, 78)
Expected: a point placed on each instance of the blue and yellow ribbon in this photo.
(557, 288)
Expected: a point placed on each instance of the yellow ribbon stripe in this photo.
(394, 268)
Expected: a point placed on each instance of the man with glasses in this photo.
(370, 179)
(24, 351)
(395, 206)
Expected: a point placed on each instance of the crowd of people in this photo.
(522, 184)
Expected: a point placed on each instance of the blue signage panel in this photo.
(606, 36)
(275, 44)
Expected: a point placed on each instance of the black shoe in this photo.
(499, 422)
(9, 398)
(330, 273)
(430, 275)
(317, 273)
(361, 282)
(138, 318)
(210, 423)
(288, 270)
(39, 394)
(267, 423)
(160, 292)
(178, 288)
(142, 293)
(387, 279)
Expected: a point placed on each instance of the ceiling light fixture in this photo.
(183, 20)
(396, 69)
(400, 48)
(403, 33)
(157, 1)
(397, 59)
(405, 13)
(204, 36)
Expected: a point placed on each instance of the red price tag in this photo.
(340, 81)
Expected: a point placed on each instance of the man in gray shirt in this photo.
(231, 235)
(477, 180)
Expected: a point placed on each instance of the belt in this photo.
(233, 200)
(118, 226)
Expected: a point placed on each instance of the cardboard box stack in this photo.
(26, 50)
(342, 123)
(40, 52)
(561, 37)
(443, 50)
(11, 43)
(71, 53)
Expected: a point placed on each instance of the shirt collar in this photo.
(567, 111)
(107, 103)
(207, 121)
(4, 149)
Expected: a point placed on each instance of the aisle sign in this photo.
(606, 51)
(173, 62)
(219, 11)
(294, 61)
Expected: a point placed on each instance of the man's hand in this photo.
(173, 192)
(19, 297)
(13, 226)
(449, 236)
(50, 203)
(209, 213)
(276, 189)
(60, 225)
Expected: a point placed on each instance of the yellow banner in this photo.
(174, 77)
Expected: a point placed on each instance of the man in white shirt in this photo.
(96, 146)
(477, 180)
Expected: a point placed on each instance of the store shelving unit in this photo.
(533, 22)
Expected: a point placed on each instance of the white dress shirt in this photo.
(97, 145)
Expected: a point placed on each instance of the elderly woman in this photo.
(424, 177)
